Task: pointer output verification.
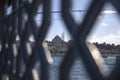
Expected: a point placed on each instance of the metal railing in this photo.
(21, 22)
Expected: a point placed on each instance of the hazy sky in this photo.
(106, 28)
(58, 26)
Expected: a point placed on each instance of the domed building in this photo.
(57, 45)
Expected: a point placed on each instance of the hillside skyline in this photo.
(86, 41)
(57, 45)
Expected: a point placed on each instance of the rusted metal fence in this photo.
(21, 22)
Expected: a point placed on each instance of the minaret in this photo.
(62, 36)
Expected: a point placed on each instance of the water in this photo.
(78, 71)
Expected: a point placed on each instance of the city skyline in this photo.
(86, 41)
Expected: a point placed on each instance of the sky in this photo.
(106, 28)
(58, 26)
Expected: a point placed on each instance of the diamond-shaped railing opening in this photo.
(103, 39)
(9, 10)
(56, 45)
(79, 9)
(32, 38)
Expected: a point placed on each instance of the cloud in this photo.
(104, 24)
(110, 38)
(109, 12)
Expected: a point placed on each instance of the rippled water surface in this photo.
(78, 71)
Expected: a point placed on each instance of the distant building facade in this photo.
(57, 45)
